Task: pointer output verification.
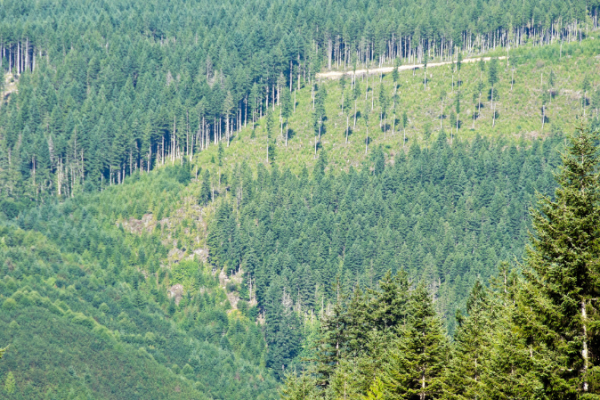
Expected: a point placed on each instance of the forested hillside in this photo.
(106, 88)
(445, 215)
(190, 208)
(91, 310)
(532, 333)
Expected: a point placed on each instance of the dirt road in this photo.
(386, 70)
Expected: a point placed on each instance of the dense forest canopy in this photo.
(89, 311)
(445, 215)
(107, 88)
(533, 333)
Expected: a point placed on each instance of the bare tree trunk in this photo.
(347, 121)
(584, 352)
(227, 128)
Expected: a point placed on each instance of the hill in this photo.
(91, 309)
(187, 199)
(558, 78)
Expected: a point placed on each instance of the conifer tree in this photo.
(376, 391)
(298, 387)
(493, 79)
(205, 192)
(471, 347)
(9, 384)
(416, 365)
(562, 271)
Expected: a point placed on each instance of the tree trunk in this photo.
(584, 351)
(347, 121)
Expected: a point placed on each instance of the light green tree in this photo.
(10, 384)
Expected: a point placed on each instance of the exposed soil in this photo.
(386, 70)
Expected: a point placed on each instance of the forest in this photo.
(107, 88)
(299, 199)
(533, 332)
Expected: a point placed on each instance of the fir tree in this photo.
(415, 367)
(562, 270)
(10, 384)
(205, 192)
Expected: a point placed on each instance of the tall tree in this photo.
(416, 365)
(562, 270)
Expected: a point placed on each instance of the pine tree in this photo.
(10, 384)
(563, 274)
(471, 347)
(299, 387)
(376, 391)
(416, 365)
(205, 192)
(493, 79)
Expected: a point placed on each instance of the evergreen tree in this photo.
(205, 190)
(415, 368)
(493, 79)
(562, 270)
(472, 346)
(9, 383)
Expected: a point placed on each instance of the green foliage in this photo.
(9, 383)
(530, 334)
(563, 272)
(77, 283)
(493, 72)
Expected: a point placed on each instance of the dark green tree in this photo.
(562, 270)
(415, 368)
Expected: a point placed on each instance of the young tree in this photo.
(404, 125)
(545, 96)
(453, 122)
(596, 100)
(343, 82)
(425, 61)
(585, 86)
(319, 114)
(457, 108)
(493, 79)
(286, 111)
(269, 131)
(356, 94)
(317, 124)
(395, 71)
(459, 59)
(442, 100)
(302, 387)
(10, 384)
(395, 100)
(347, 108)
(416, 365)
(384, 104)
(205, 189)
(562, 270)
(220, 154)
